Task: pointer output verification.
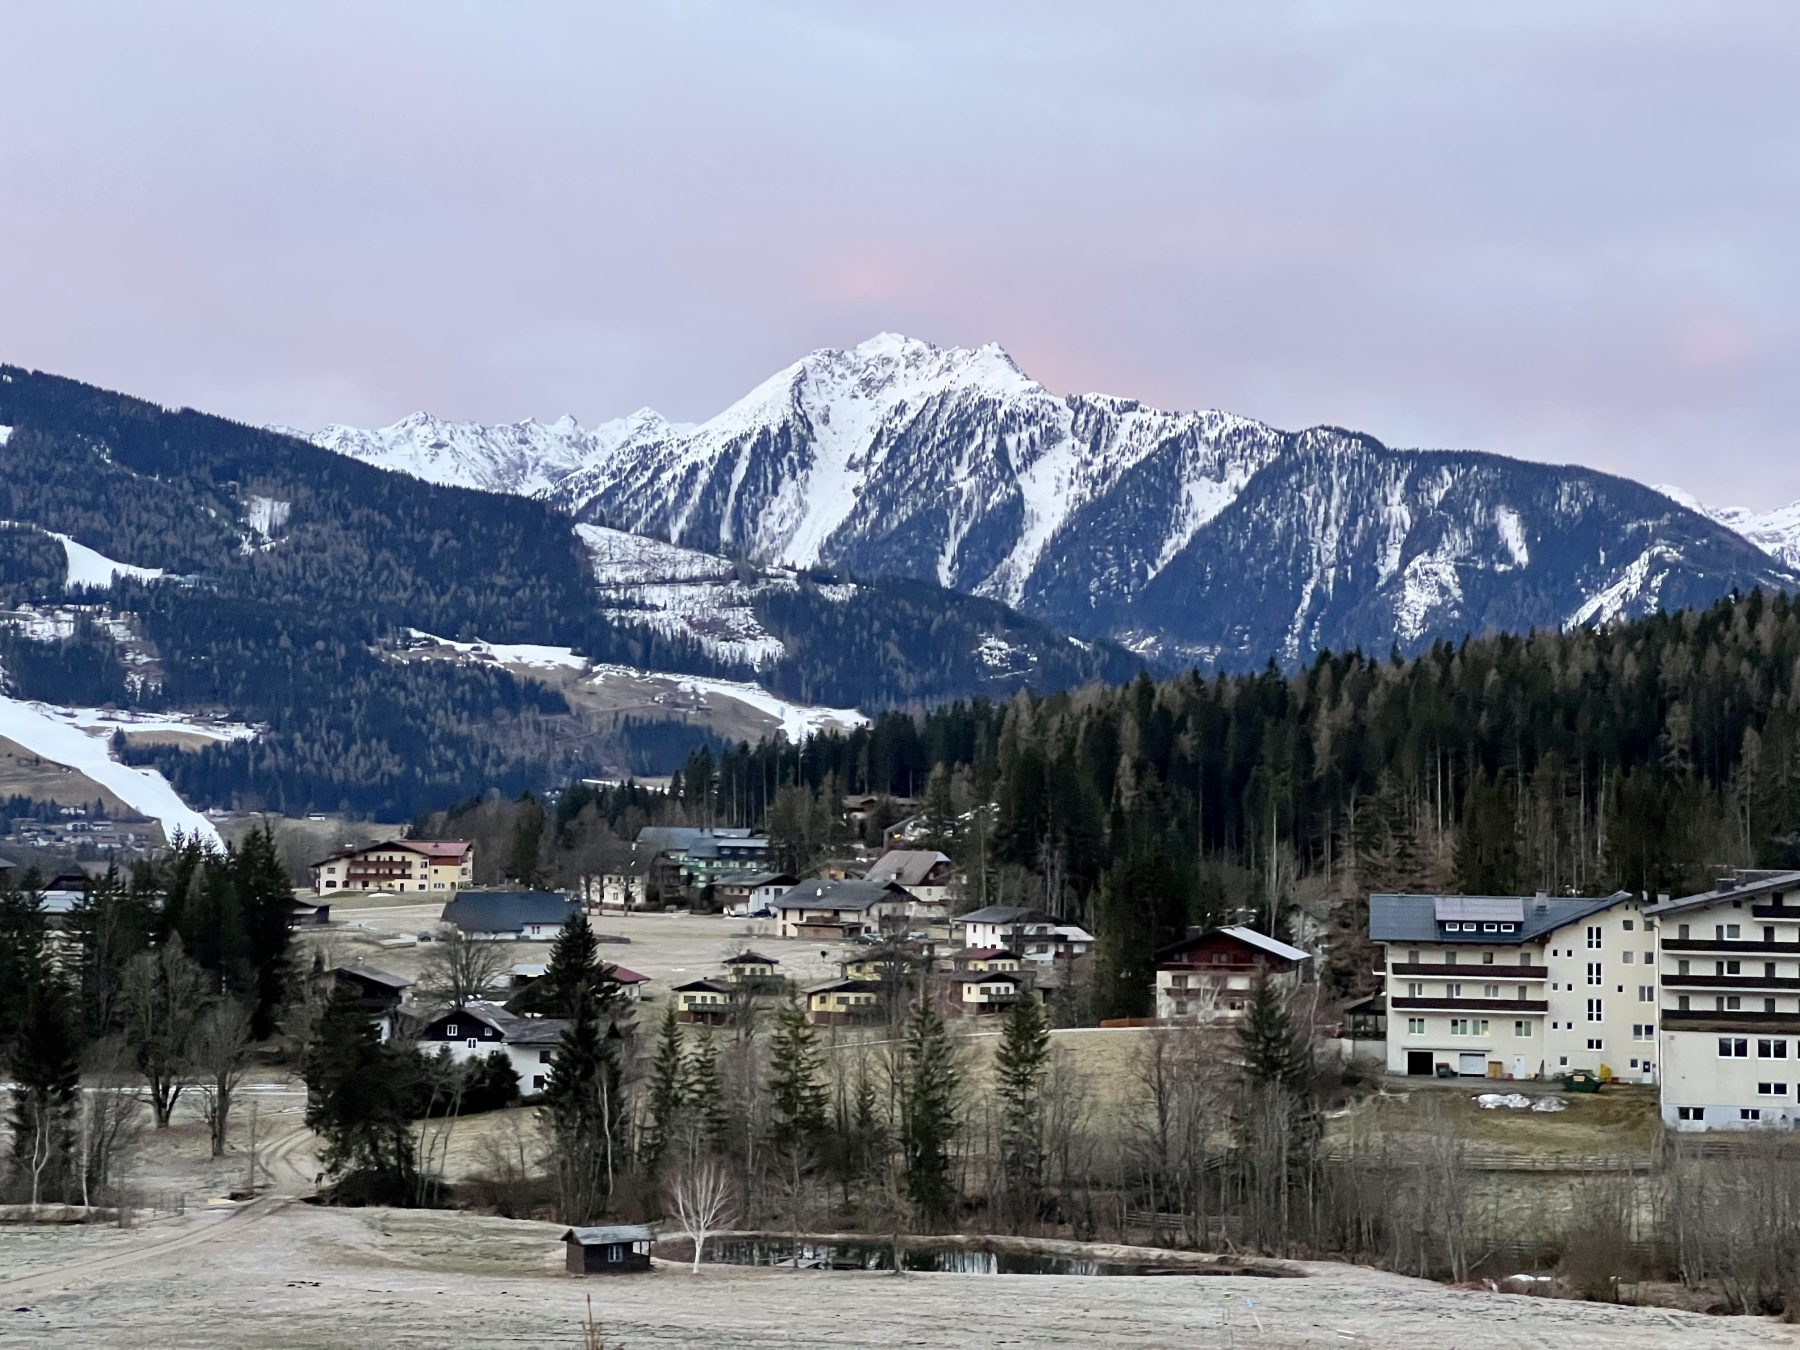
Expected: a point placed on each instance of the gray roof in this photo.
(716, 986)
(1740, 884)
(827, 895)
(605, 1237)
(1481, 908)
(680, 838)
(374, 976)
(1005, 914)
(506, 911)
(908, 866)
(513, 1029)
(1416, 918)
(766, 879)
(712, 845)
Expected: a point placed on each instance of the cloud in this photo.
(1551, 231)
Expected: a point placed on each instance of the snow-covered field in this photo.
(78, 738)
(797, 720)
(530, 655)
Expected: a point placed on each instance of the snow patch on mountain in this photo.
(622, 559)
(79, 738)
(1776, 532)
(1512, 534)
(88, 566)
(524, 655)
(1634, 591)
(796, 721)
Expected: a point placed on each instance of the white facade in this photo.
(1730, 1006)
(1537, 1001)
(624, 890)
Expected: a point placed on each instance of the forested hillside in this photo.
(1642, 756)
(293, 573)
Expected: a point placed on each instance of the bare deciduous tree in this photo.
(164, 996)
(458, 968)
(700, 1195)
(111, 1118)
(220, 1054)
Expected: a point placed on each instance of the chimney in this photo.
(1727, 883)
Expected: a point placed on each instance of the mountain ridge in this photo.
(1111, 519)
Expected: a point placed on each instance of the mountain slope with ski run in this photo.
(1189, 536)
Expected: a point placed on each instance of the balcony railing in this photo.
(1776, 911)
(1731, 946)
(1732, 981)
(1710, 1019)
(1444, 1004)
(1443, 970)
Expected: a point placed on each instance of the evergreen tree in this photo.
(929, 1121)
(524, 855)
(668, 1086)
(21, 947)
(44, 1065)
(1019, 1064)
(571, 972)
(797, 1099)
(359, 1097)
(1271, 1047)
(585, 1114)
(265, 904)
(704, 1093)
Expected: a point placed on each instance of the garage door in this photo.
(1472, 1065)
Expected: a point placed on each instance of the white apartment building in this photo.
(1518, 986)
(1730, 984)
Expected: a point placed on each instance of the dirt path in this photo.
(289, 1183)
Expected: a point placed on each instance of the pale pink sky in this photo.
(1558, 231)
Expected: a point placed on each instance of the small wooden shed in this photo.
(616, 1250)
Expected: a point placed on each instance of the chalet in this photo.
(625, 880)
(981, 960)
(708, 1002)
(1208, 976)
(838, 1002)
(616, 1250)
(398, 865)
(753, 896)
(984, 993)
(707, 856)
(524, 916)
(830, 911)
(62, 893)
(476, 1030)
(381, 994)
(925, 873)
(628, 980)
(1518, 986)
(880, 965)
(1012, 926)
(751, 968)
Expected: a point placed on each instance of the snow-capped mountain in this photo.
(1197, 536)
(1776, 532)
(523, 458)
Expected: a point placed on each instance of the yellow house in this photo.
(440, 866)
(837, 1001)
(750, 968)
(707, 1001)
(988, 960)
(883, 963)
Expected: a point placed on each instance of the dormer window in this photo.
(1490, 927)
(450, 1030)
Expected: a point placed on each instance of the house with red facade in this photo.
(1208, 977)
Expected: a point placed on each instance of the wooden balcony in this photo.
(1790, 982)
(1777, 911)
(1441, 970)
(1735, 1023)
(1440, 1003)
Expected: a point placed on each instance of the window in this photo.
(1562, 1062)
(1459, 1026)
(1728, 967)
(1649, 958)
(1768, 1005)
(1690, 1113)
(1449, 958)
(1415, 991)
(1626, 925)
(537, 1082)
(1734, 1047)
(1646, 993)
(1594, 1013)
(1681, 1003)
(1593, 972)
(1725, 932)
(1413, 956)
(1769, 934)
(1733, 1002)
(1593, 936)
(1522, 1030)
(1681, 966)
(1453, 991)
(1481, 1026)
(1771, 1089)
(1487, 958)
(1749, 1113)
(1682, 931)
(1768, 1049)
(1627, 958)
(473, 1043)
(544, 1056)
(1641, 1031)
(1415, 1026)
(1507, 927)
(1490, 991)
(1594, 1043)
(1520, 992)
(1490, 928)
(450, 1030)
(1768, 970)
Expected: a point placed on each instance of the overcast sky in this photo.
(1567, 232)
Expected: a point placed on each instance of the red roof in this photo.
(624, 976)
(439, 848)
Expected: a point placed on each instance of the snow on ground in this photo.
(1634, 590)
(5, 435)
(77, 739)
(623, 559)
(718, 615)
(90, 567)
(797, 721)
(510, 653)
